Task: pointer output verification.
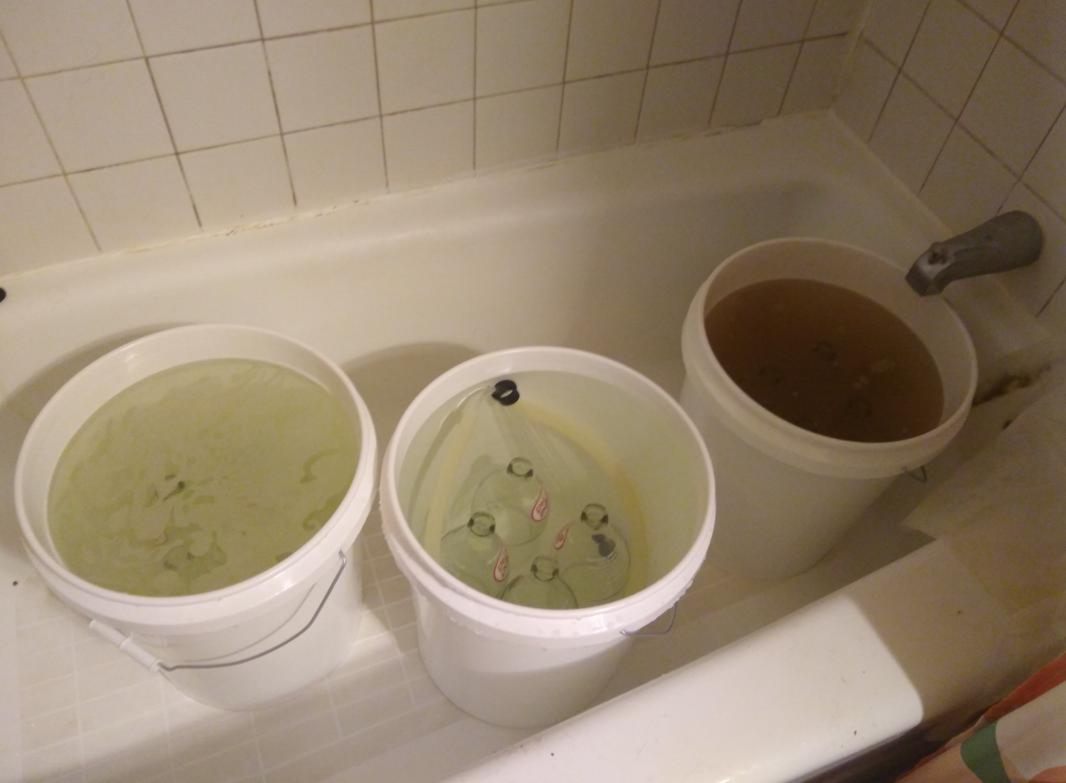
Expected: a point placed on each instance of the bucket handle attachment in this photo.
(125, 643)
(672, 612)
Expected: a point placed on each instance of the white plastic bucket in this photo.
(526, 667)
(253, 642)
(787, 495)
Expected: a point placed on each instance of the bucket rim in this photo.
(201, 612)
(497, 618)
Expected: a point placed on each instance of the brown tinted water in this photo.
(827, 359)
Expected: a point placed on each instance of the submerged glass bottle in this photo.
(517, 500)
(475, 555)
(594, 557)
(541, 587)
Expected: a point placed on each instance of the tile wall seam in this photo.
(566, 63)
(166, 120)
(277, 109)
(853, 38)
(377, 95)
(897, 69)
(795, 63)
(725, 64)
(1036, 152)
(647, 70)
(474, 97)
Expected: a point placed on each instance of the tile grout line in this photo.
(897, 68)
(277, 109)
(377, 87)
(795, 63)
(566, 64)
(474, 97)
(647, 70)
(725, 63)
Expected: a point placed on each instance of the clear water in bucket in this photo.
(473, 437)
(199, 477)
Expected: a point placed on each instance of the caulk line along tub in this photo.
(523, 666)
(257, 640)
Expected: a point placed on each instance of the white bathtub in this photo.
(601, 252)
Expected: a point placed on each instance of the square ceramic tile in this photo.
(521, 45)
(239, 184)
(397, 9)
(336, 164)
(216, 96)
(25, 153)
(136, 204)
(967, 185)
(1035, 284)
(692, 29)
(1039, 27)
(949, 51)
(7, 65)
(817, 76)
(763, 23)
(1046, 175)
(101, 116)
(428, 146)
(753, 85)
(166, 26)
(995, 12)
(324, 78)
(1013, 106)
(833, 17)
(891, 26)
(679, 97)
(600, 113)
(284, 17)
(425, 61)
(608, 36)
(236, 763)
(52, 35)
(910, 133)
(517, 127)
(53, 762)
(867, 83)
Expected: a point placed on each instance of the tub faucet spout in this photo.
(1007, 241)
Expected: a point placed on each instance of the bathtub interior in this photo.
(602, 253)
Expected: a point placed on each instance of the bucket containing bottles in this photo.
(196, 493)
(817, 377)
(546, 504)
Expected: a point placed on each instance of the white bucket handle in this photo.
(672, 611)
(145, 658)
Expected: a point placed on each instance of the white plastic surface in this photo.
(388, 289)
(819, 486)
(526, 667)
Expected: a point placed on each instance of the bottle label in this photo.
(560, 537)
(539, 511)
(503, 562)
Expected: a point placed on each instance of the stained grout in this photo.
(277, 108)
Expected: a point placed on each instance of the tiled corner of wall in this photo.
(133, 122)
(964, 100)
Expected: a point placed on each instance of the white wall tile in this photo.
(25, 152)
(1035, 284)
(428, 146)
(679, 97)
(910, 133)
(396, 9)
(240, 183)
(866, 86)
(1047, 173)
(770, 22)
(136, 203)
(967, 184)
(233, 764)
(521, 45)
(216, 96)
(426, 61)
(692, 29)
(608, 36)
(833, 17)
(7, 65)
(51, 35)
(284, 17)
(1013, 106)
(892, 24)
(995, 12)
(519, 126)
(952, 45)
(167, 26)
(336, 164)
(324, 78)
(753, 85)
(600, 113)
(1039, 27)
(816, 78)
(101, 116)
(52, 763)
